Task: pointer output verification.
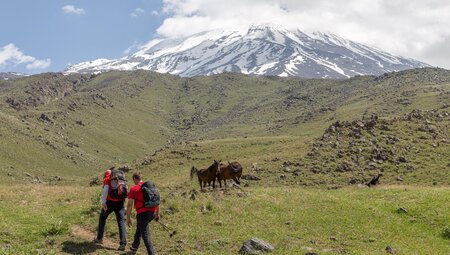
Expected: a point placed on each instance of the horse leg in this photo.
(214, 184)
(236, 181)
(220, 182)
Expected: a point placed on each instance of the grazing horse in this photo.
(231, 171)
(206, 176)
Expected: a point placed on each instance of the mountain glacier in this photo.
(261, 50)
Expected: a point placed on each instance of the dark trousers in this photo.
(143, 219)
(119, 209)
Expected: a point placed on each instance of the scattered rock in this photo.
(249, 177)
(6, 247)
(289, 223)
(375, 180)
(203, 209)
(29, 175)
(45, 118)
(390, 250)
(297, 172)
(254, 167)
(402, 210)
(125, 168)
(80, 122)
(94, 181)
(57, 178)
(241, 194)
(255, 246)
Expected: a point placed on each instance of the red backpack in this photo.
(119, 188)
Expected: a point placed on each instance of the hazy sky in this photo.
(39, 36)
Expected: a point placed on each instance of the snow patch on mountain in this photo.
(261, 50)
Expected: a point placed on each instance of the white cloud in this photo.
(11, 55)
(412, 28)
(39, 64)
(70, 9)
(130, 49)
(137, 12)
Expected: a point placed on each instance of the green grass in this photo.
(177, 123)
(349, 220)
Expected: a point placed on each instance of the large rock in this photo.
(255, 246)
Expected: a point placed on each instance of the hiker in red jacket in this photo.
(143, 217)
(109, 205)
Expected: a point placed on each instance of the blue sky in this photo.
(46, 35)
(87, 30)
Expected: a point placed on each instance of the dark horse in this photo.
(206, 176)
(231, 171)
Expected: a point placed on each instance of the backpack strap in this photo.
(143, 202)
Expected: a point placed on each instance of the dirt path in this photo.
(82, 243)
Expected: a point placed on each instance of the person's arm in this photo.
(157, 213)
(129, 209)
(104, 197)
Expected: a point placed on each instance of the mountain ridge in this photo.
(261, 50)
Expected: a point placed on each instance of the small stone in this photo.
(6, 247)
(402, 210)
(255, 246)
(390, 250)
(333, 238)
(289, 223)
(241, 194)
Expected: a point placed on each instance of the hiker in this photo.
(113, 200)
(146, 210)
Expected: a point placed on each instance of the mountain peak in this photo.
(265, 49)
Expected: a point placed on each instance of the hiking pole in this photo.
(171, 232)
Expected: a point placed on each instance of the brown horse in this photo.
(231, 171)
(206, 176)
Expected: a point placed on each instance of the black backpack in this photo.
(151, 194)
(119, 188)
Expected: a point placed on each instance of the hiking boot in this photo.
(97, 241)
(121, 247)
(133, 250)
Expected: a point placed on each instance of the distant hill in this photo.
(11, 75)
(262, 50)
(74, 125)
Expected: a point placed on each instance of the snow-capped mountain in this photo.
(262, 50)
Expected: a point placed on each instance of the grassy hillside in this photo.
(312, 143)
(75, 125)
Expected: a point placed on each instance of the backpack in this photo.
(119, 188)
(151, 194)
